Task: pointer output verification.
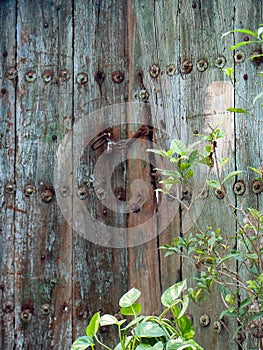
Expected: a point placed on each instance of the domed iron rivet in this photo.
(64, 75)
(187, 67)
(25, 316)
(120, 193)
(64, 191)
(29, 190)
(220, 194)
(154, 71)
(11, 73)
(10, 187)
(257, 186)
(144, 95)
(83, 191)
(170, 70)
(204, 320)
(218, 327)
(239, 188)
(82, 78)
(47, 194)
(45, 309)
(47, 76)
(202, 65)
(101, 194)
(117, 77)
(220, 62)
(30, 76)
(256, 60)
(239, 56)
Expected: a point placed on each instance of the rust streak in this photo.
(17, 209)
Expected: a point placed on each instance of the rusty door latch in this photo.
(106, 138)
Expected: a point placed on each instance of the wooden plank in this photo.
(249, 136)
(7, 176)
(205, 97)
(42, 269)
(100, 278)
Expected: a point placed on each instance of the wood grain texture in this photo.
(7, 173)
(45, 265)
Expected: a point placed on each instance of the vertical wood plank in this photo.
(7, 176)
(42, 268)
(204, 97)
(100, 273)
(248, 128)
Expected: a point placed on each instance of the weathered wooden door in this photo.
(70, 72)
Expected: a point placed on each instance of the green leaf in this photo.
(158, 346)
(214, 184)
(127, 341)
(131, 310)
(177, 146)
(245, 31)
(133, 322)
(255, 170)
(257, 97)
(129, 298)
(228, 71)
(82, 343)
(93, 325)
(185, 303)
(107, 320)
(253, 256)
(143, 347)
(246, 302)
(231, 174)
(170, 295)
(194, 157)
(237, 110)
(149, 330)
(180, 344)
(242, 43)
(158, 151)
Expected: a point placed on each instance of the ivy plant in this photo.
(145, 332)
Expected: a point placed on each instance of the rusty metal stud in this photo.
(11, 73)
(3, 91)
(5, 54)
(202, 65)
(30, 76)
(154, 71)
(82, 78)
(45, 309)
(104, 211)
(64, 191)
(83, 191)
(256, 60)
(101, 193)
(218, 327)
(47, 76)
(29, 190)
(46, 25)
(117, 77)
(239, 188)
(204, 320)
(239, 56)
(120, 193)
(8, 306)
(64, 75)
(241, 337)
(257, 186)
(170, 70)
(220, 62)
(47, 194)
(25, 316)
(144, 95)
(187, 67)
(10, 187)
(220, 194)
